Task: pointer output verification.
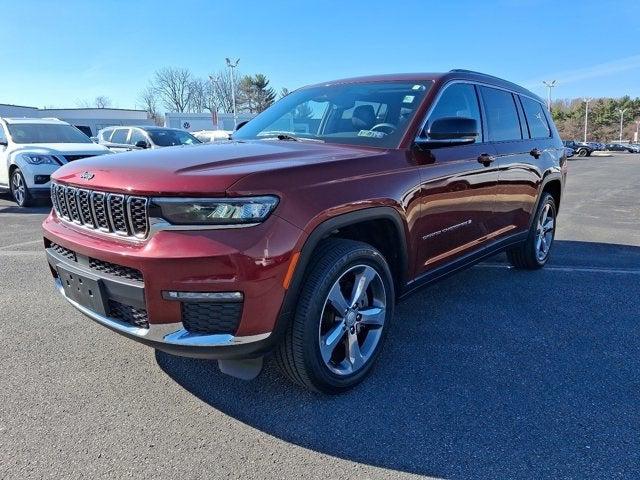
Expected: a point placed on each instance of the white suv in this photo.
(31, 149)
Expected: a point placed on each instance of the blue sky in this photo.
(56, 53)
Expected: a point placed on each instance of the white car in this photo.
(208, 136)
(31, 149)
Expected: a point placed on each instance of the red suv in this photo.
(299, 236)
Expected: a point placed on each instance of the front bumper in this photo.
(194, 261)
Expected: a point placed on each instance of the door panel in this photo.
(457, 200)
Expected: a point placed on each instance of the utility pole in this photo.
(232, 66)
(637, 139)
(549, 85)
(621, 110)
(586, 116)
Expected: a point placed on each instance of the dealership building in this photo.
(89, 120)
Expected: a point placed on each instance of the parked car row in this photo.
(585, 149)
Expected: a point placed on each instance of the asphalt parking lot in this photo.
(492, 373)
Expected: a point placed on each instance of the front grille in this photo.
(71, 158)
(123, 215)
(210, 317)
(115, 270)
(136, 317)
(65, 252)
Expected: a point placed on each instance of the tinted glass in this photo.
(502, 116)
(105, 135)
(169, 138)
(120, 135)
(376, 114)
(536, 119)
(136, 136)
(2, 135)
(46, 133)
(458, 100)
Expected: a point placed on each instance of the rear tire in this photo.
(19, 189)
(582, 152)
(334, 338)
(534, 252)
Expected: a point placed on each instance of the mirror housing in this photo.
(448, 131)
(241, 124)
(4, 143)
(142, 144)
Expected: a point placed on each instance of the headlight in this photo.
(38, 159)
(214, 211)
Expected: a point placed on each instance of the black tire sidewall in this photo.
(321, 375)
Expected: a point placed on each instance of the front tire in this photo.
(534, 252)
(582, 152)
(343, 314)
(19, 189)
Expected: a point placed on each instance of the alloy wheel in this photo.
(18, 188)
(352, 320)
(544, 232)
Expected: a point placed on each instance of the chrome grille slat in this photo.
(114, 213)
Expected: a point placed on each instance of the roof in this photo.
(92, 108)
(144, 127)
(441, 77)
(51, 121)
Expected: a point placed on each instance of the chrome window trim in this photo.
(423, 124)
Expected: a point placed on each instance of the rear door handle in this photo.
(535, 153)
(486, 159)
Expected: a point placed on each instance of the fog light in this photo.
(203, 296)
(40, 179)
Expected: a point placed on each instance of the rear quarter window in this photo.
(536, 119)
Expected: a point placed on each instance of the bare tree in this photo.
(102, 101)
(148, 99)
(173, 87)
(203, 97)
(221, 85)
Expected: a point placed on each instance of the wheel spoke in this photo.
(337, 300)
(545, 214)
(543, 245)
(331, 340)
(548, 226)
(373, 317)
(363, 279)
(538, 243)
(354, 355)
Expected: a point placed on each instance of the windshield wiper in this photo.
(287, 137)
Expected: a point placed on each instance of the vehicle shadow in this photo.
(41, 206)
(492, 373)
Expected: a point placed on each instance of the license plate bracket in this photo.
(83, 288)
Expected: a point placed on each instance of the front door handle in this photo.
(535, 153)
(486, 159)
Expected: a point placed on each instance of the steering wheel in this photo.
(390, 126)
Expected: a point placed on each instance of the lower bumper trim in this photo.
(169, 334)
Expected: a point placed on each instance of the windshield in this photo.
(46, 133)
(169, 138)
(374, 114)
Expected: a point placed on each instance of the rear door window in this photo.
(502, 116)
(3, 137)
(120, 136)
(458, 100)
(536, 119)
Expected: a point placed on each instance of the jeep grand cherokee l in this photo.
(300, 235)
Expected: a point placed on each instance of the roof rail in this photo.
(463, 70)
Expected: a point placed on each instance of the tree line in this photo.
(604, 118)
(178, 90)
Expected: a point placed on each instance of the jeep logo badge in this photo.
(87, 176)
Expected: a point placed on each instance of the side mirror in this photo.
(4, 143)
(241, 124)
(142, 144)
(94, 139)
(449, 131)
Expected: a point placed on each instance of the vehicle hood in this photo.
(63, 148)
(206, 169)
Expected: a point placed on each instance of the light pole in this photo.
(586, 116)
(232, 66)
(549, 86)
(621, 110)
